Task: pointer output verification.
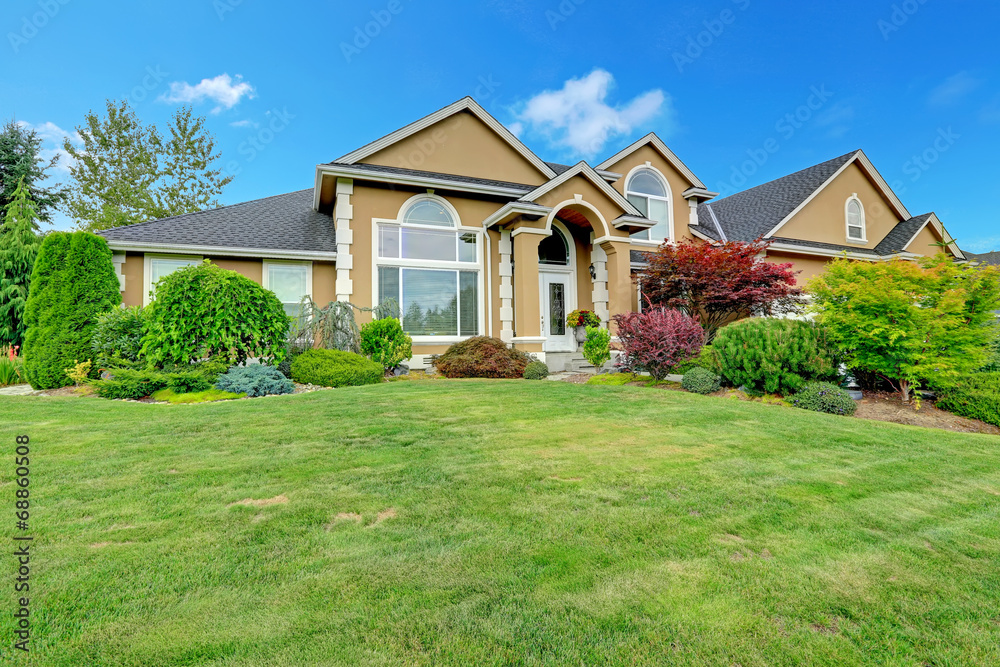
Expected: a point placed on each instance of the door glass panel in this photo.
(557, 309)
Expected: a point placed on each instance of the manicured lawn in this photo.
(482, 523)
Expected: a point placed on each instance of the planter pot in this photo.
(855, 394)
(581, 334)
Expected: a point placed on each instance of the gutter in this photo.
(180, 249)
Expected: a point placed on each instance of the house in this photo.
(472, 233)
(988, 258)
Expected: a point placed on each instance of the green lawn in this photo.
(482, 523)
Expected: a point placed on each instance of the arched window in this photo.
(856, 220)
(649, 193)
(428, 212)
(554, 250)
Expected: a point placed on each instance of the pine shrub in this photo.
(824, 397)
(72, 284)
(128, 383)
(658, 340)
(385, 342)
(701, 381)
(333, 368)
(976, 397)
(255, 380)
(775, 356)
(482, 357)
(536, 370)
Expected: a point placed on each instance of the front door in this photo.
(557, 300)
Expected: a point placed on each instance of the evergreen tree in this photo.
(21, 160)
(18, 249)
(72, 285)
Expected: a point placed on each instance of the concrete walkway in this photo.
(17, 390)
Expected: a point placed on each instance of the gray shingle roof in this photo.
(826, 246)
(558, 168)
(282, 222)
(749, 215)
(896, 240)
(379, 169)
(991, 258)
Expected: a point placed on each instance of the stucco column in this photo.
(619, 276)
(506, 271)
(343, 215)
(527, 307)
(599, 296)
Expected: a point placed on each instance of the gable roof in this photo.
(991, 258)
(652, 140)
(284, 223)
(585, 170)
(464, 104)
(900, 237)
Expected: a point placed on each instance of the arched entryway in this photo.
(557, 288)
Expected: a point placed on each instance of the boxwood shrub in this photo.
(483, 357)
(824, 397)
(977, 397)
(536, 370)
(333, 368)
(701, 381)
(254, 381)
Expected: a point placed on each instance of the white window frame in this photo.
(847, 221)
(669, 199)
(265, 277)
(478, 266)
(147, 271)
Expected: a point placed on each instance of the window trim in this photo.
(265, 278)
(147, 270)
(847, 221)
(669, 200)
(477, 266)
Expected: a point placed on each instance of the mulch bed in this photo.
(888, 407)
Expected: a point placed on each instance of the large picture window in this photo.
(290, 282)
(430, 267)
(160, 266)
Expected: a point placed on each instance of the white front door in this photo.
(558, 299)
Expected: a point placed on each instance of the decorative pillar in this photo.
(527, 306)
(693, 221)
(600, 281)
(619, 263)
(506, 249)
(343, 214)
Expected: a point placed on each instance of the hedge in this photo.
(333, 368)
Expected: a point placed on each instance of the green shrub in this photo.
(385, 343)
(993, 366)
(597, 347)
(977, 397)
(188, 378)
(72, 284)
(202, 311)
(482, 357)
(706, 359)
(774, 356)
(824, 397)
(129, 383)
(701, 381)
(536, 370)
(117, 337)
(255, 381)
(209, 396)
(333, 368)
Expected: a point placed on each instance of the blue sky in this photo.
(915, 83)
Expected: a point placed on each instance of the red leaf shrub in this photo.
(658, 340)
(482, 357)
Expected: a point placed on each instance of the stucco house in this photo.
(473, 233)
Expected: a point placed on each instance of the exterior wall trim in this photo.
(662, 148)
(418, 181)
(585, 170)
(219, 251)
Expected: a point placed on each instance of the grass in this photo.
(502, 522)
(209, 396)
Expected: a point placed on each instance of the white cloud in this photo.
(579, 118)
(953, 89)
(837, 120)
(982, 244)
(52, 137)
(245, 123)
(224, 90)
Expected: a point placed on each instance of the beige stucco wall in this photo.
(250, 268)
(460, 144)
(824, 218)
(132, 270)
(324, 283)
(924, 242)
(677, 182)
(805, 265)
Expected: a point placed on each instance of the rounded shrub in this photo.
(333, 368)
(536, 370)
(976, 397)
(597, 347)
(483, 357)
(72, 285)
(658, 340)
(701, 381)
(385, 343)
(824, 397)
(775, 356)
(205, 310)
(255, 380)
(117, 338)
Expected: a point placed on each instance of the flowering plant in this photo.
(583, 318)
(11, 369)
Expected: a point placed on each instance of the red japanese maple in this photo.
(718, 283)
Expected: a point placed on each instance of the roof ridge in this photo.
(794, 173)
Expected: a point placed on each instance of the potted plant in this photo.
(580, 320)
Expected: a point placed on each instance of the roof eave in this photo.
(344, 171)
(194, 249)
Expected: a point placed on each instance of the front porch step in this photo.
(568, 362)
